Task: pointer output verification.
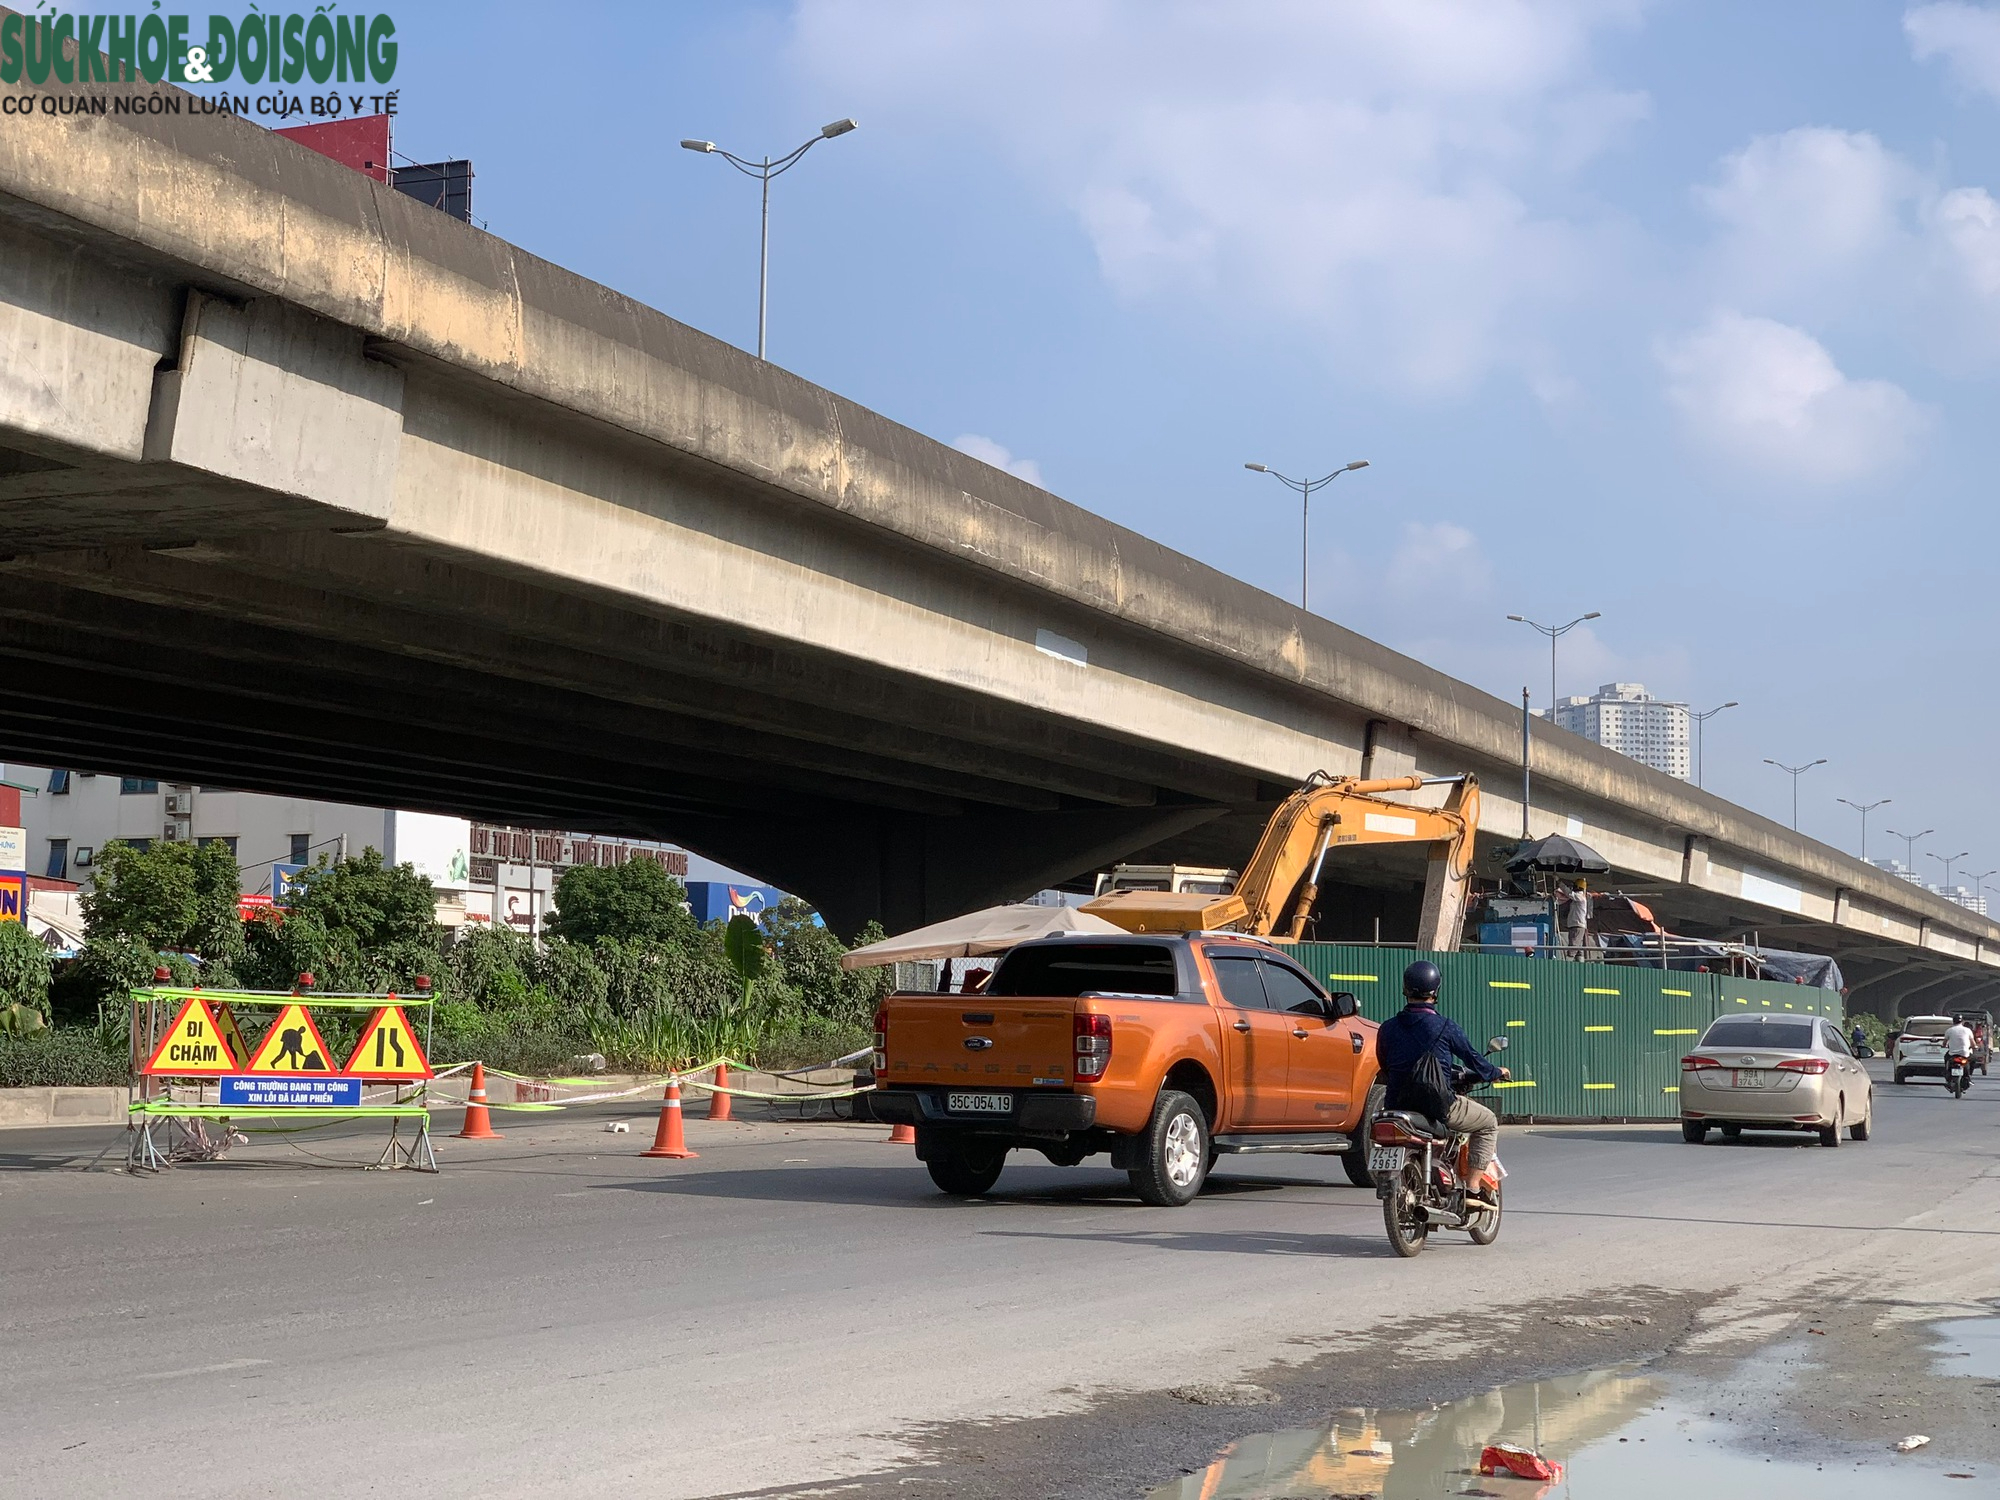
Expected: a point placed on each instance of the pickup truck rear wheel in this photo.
(1176, 1152)
(966, 1169)
(1354, 1162)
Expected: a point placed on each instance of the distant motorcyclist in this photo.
(1859, 1039)
(1419, 1031)
(1958, 1049)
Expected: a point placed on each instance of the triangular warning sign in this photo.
(292, 1045)
(232, 1034)
(388, 1048)
(193, 1046)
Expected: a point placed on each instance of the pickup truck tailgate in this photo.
(971, 1039)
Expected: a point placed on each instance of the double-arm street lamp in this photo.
(1700, 724)
(1910, 847)
(1554, 633)
(1865, 808)
(1979, 889)
(764, 171)
(1947, 860)
(1795, 772)
(1305, 488)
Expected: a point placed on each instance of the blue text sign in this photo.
(334, 1093)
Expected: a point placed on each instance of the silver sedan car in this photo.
(1774, 1073)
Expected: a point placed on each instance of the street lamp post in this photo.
(1554, 633)
(1979, 890)
(764, 171)
(1700, 724)
(1795, 773)
(1910, 847)
(1305, 488)
(1865, 808)
(1947, 860)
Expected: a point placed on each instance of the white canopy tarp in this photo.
(993, 930)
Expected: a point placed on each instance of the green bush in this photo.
(25, 966)
(65, 1057)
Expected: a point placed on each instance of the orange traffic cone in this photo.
(478, 1125)
(718, 1102)
(669, 1140)
(901, 1135)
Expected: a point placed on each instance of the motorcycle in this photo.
(1421, 1169)
(1957, 1074)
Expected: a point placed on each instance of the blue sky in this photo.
(1684, 312)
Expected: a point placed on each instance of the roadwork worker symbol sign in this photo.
(292, 1045)
(193, 1046)
(388, 1048)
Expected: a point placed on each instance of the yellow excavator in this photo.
(1275, 896)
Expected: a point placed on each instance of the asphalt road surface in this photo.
(555, 1314)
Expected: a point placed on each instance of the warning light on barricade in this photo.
(478, 1124)
(292, 1045)
(388, 1048)
(306, 981)
(194, 1045)
(162, 974)
(670, 1138)
(718, 1101)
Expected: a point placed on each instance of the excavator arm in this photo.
(1275, 895)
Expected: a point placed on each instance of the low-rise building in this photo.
(483, 872)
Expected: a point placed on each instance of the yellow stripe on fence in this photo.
(1508, 984)
(1676, 1031)
(1600, 1085)
(1684, 994)
(1589, 991)
(1672, 1088)
(1514, 1083)
(1517, 1023)
(1355, 978)
(1599, 1028)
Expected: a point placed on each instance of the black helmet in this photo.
(1422, 981)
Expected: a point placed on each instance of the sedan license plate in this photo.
(979, 1104)
(1749, 1078)
(1387, 1158)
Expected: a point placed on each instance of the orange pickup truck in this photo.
(1163, 1050)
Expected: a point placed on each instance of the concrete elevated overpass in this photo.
(307, 487)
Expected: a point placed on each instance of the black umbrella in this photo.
(1558, 855)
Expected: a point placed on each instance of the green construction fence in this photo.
(1585, 1040)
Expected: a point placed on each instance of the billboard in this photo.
(438, 846)
(13, 898)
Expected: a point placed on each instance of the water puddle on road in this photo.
(1620, 1433)
(1969, 1346)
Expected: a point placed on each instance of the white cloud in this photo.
(1371, 168)
(1967, 37)
(1806, 211)
(1830, 227)
(1770, 397)
(989, 452)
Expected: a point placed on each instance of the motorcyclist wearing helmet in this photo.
(1419, 1030)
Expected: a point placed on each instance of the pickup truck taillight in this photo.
(881, 1040)
(1093, 1047)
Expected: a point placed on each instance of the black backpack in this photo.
(1426, 1089)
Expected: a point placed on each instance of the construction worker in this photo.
(1576, 921)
